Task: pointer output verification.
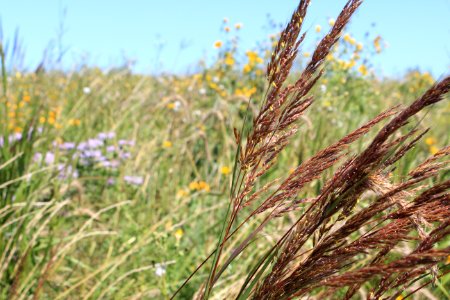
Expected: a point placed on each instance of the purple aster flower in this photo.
(101, 158)
(37, 157)
(94, 143)
(110, 148)
(65, 172)
(126, 143)
(135, 180)
(67, 146)
(49, 158)
(106, 164)
(106, 135)
(110, 164)
(15, 137)
(91, 154)
(125, 155)
(82, 146)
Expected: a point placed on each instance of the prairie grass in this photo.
(116, 185)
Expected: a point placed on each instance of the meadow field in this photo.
(115, 185)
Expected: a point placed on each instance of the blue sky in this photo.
(102, 32)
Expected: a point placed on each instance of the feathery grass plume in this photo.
(350, 232)
(276, 122)
(292, 274)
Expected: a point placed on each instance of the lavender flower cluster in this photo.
(99, 153)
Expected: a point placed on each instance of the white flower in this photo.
(87, 90)
(202, 91)
(160, 270)
(176, 105)
(323, 88)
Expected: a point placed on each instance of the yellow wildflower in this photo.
(213, 85)
(331, 22)
(227, 29)
(204, 186)
(428, 78)
(359, 47)
(246, 92)
(167, 144)
(170, 105)
(73, 122)
(225, 170)
(42, 120)
(179, 234)
(222, 94)
(318, 28)
(347, 37)
(194, 185)
(251, 91)
(247, 68)
(238, 26)
(433, 150)
(51, 120)
(363, 70)
(399, 298)
(430, 141)
(351, 63)
(306, 54)
(447, 262)
(182, 193)
(229, 60)
(218, 44)
(199, 186)
(253, 58)
(327, 103)
(26, 98)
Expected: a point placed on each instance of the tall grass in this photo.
(349, 232)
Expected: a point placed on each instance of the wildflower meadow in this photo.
(282, 171)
